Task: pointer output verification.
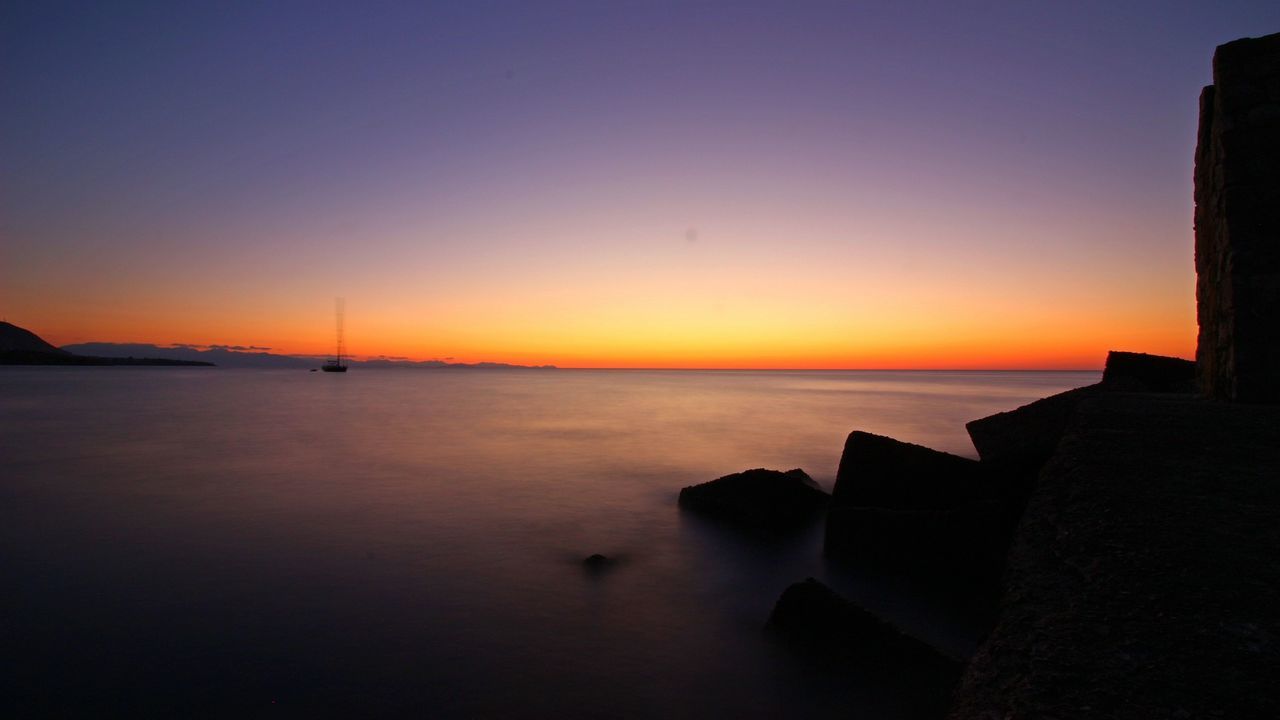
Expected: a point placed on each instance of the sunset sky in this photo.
(604, 184)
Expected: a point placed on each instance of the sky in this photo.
(611, 184)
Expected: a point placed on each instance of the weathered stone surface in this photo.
(821, 621)
(879, 471)
(1143, 582)
(1237, 224)
(1140, 372)
(967, 542)
(758, 499)
(1016, 443)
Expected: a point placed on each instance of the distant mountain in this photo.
(16, 339)
(19, 346)
(240, 356)
(220, 356)
(232, 357)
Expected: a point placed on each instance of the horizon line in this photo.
(200, 347)
(829, 369)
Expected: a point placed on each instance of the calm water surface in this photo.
(226, 543)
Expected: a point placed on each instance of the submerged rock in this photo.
(879, 471)
(819, 621)
(758, 499)
(597, 562)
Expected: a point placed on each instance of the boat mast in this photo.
(339, 310)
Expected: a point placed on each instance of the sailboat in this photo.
(336, 365)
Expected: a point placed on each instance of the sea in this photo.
(206, 542)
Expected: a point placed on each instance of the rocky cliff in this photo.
(1237, 224)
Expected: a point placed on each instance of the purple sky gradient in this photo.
(427, 159)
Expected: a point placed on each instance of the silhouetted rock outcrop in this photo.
(1237, 223)
(14, 339)
(820, 621)
(758, 499)
(1140, 372)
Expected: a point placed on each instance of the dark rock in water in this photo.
(1140, 372)
(1237, 224)
(882, 472)
(1016, 443)
(820, 621)
(758, 499)
(966, 544)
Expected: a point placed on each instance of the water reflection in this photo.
(242, 542)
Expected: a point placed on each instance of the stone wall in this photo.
(1237, 223)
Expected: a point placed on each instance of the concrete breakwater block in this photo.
(1016, 443)
(967, 542)
(879, 471)
(1142, 582)
(1140, 372)
(904, 509)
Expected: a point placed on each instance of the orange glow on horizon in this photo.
(900, 295)
(1048, 342)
